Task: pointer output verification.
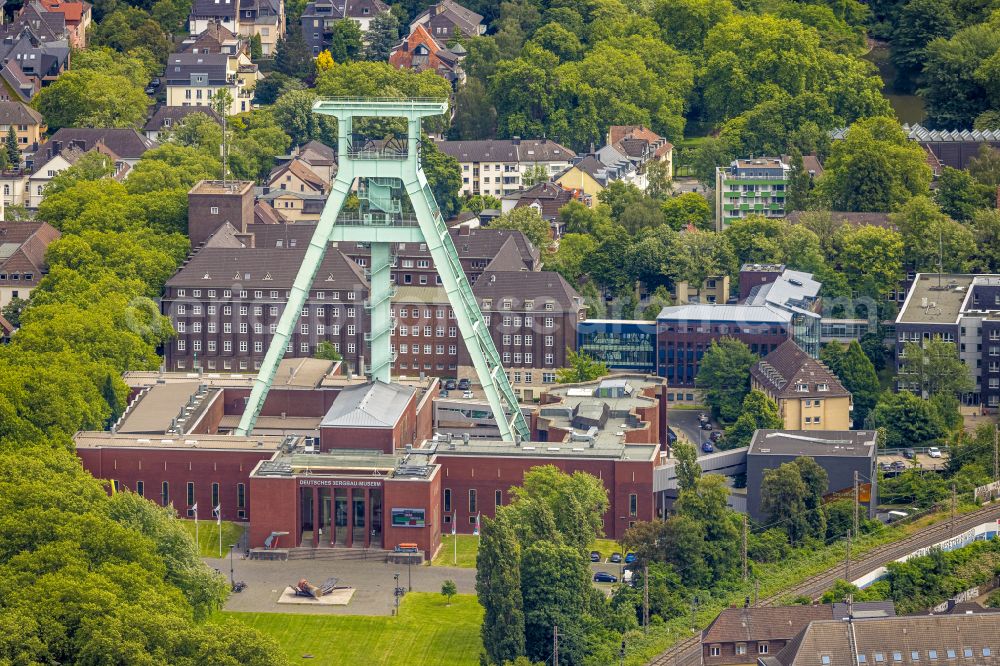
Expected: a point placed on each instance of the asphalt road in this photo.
(685, 422)
(688, 651)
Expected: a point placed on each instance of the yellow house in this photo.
(27, 123)
(584, 176)
(809, 395)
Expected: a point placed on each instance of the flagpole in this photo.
(198, 543)
(218, 520)
(454, 535)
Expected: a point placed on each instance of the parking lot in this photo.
(895, 462)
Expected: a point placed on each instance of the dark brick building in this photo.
(226, 300)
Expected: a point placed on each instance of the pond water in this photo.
(909, 108)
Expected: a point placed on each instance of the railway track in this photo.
(688, 651)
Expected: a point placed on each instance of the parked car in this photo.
(707, 447)
(934, 452)
(155, 82)
(706, 425)
(898, 466)
(595, 556)
(630, 558)
(467, 395)
(909, 454)
(443, 393)
(450, 384)
(703, 418)
(615, 558)
(151, 90)
(715, 436)
(464, 384)
(885, 467)
(605, 577)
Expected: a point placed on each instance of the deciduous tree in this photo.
(724, 375)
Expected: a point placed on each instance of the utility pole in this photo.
(954, 507)
(847, 561)
(756, 590)
(744, 547)
(996, 452)
(857, 502)
(645, 598)
(555, 645)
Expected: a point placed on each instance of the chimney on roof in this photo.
(464, 230)
(56, 148)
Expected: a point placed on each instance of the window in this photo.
(932, 654)
(498, 499)
(741, 648)
(447, 500)
(825, 659)
(214, 210)
(549, 322)
(549, 340)
(967, 652)
(762, 648)
(914, 655)
(241, 495)
(633, 504)
(215, 495)
(951, 653)
(715, 650)
(190, 493)
(472, 501)
(896, 656)
(986, 652)
(140, 488)
(879, 657)
(165, 493)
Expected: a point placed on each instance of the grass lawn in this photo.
(208, 535)
(468, 546)
(426, 632)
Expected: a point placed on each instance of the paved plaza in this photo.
(371, 579)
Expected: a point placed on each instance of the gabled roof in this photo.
(176, 114)
(297, 168)
(788, 367)
(636, 140)
(266, 266)
(73, 11)
(316, 153)
(374, 405)
(438, 59)
(126, 143)
(18, 82)
(540, 286)
(26, 243)
(180, 67)
(506, 150)
(466, 20)
(208, 8)
(264, 213)
(15, 113)
(549, 198)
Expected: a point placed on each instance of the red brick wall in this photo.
(487, 475)
(177, 467)
(275, 505)
(208, 424)
(413, 494)
(294, 402)
(376, 439)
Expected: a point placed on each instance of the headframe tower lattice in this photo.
(386, 169)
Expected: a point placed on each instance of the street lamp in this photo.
(232, 578)
(396, 590)
(409, 571)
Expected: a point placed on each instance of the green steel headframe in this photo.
(386, 169)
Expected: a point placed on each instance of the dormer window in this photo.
(802, 388)
(822, 387)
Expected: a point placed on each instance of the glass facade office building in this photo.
(620, 344)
